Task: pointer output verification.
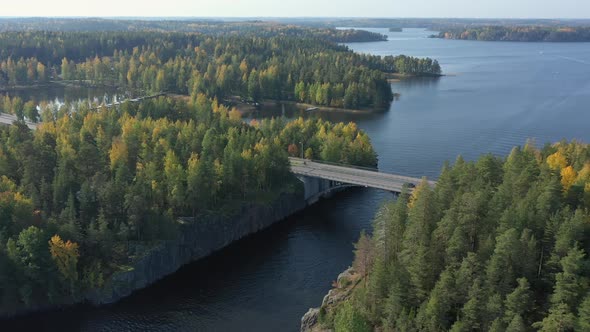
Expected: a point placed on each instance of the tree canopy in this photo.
(307, 66)
(519, 33)
(86, 190)
(500, 244)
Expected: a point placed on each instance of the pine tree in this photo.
(518, 302)
(571, 283)
(348, 319)
(471, 317)
(437, 315)
(516, 325)
(583, 321)
(560, 319)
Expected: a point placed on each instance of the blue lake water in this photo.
(496, 95)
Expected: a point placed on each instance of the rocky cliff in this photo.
(197, 239)
(312, 320)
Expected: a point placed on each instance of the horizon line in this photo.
(300, 17)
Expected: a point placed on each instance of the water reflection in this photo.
(60, 94)
(420, 82)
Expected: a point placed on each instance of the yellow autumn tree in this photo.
(557, 161)
(118, 153)
(235, 115)
(584, 175)
(568, 177)
(65, 255)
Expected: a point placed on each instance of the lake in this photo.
(495, 96)
(59, 94)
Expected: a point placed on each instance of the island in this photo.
(519, 33)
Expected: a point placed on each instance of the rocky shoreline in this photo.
(345, 284)
(196, 239)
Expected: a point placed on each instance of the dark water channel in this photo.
(496, 96)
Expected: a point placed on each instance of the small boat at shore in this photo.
(310, 109)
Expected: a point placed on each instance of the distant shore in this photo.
(250, 107)
(304, 106)
(72, 83)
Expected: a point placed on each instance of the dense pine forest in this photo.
(500, 244)
(84, 191)
(519, 33)
(93, 188)
(309, 69)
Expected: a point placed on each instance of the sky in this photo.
(301, 8)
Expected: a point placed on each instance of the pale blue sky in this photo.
(309, 8)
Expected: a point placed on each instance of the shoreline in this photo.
(514, 41)
(304, 106)
(196, 239)
(396, 76)
(57, 84)
(341, 290)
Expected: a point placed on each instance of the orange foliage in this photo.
(293, 150)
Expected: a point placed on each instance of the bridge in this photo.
(129, 100)
(8, 119)
(320, 179)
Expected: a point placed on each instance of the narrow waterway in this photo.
(497, 95)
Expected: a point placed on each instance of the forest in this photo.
(202, 26)
(88, 190)
(519, 33)
(500, 244)
(310, 69)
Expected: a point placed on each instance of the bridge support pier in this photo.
(317, 188)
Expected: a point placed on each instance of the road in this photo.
(8, 119)
(351, 175)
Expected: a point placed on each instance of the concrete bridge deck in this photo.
(8, 119)
(351, 175)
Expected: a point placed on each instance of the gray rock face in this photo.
(344, 277)
(196, 240)
(335, 295)
(329, 298)
(309, 319)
